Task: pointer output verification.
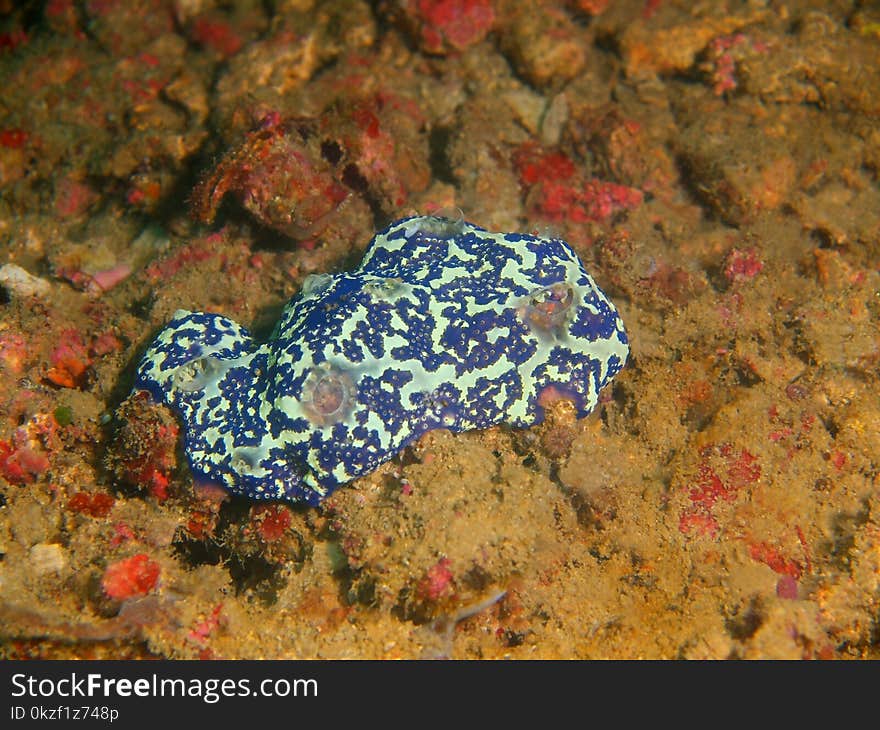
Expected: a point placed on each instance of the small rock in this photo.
(527, 106)
(47, 558)
(19, 282)
(545, 47)
(554, 120)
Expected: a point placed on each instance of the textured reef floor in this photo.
(716, 167)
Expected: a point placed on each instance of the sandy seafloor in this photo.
(715, 165)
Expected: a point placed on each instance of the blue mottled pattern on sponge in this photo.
(443, 325)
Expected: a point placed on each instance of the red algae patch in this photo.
(130, 578)
(94, 505)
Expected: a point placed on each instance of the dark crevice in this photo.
(249, 572)
(743, 626)
(438, 144)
